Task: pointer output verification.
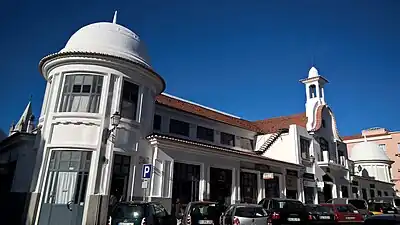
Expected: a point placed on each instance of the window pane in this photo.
(157, 122)
(82, 97)
(227, 139)
(204, 133)
(130, 96)
(179, 127)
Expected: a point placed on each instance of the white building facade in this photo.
(104, 117)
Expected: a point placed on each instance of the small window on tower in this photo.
(323, 123)
(313, 91)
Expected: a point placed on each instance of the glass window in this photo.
(179, 127)
(125, 211)
(130, 99)
(345, 208)
(358, 203)
(382, 146)
(81, 93)
(204, 209)
(204, 133)
(167, 178)
(345, 191)
(227, 139)
(398, 147)
(157, 122)
(246, 143)
(287, 204)
(305, 148)
(250, 212)
(159, 211)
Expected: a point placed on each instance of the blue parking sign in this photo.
(146, 171)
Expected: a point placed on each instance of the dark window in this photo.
(204, 133)
(81, 93)
(323, 123)
(323, 144)
(345, 191)
(159, 211)
(250, 212)
(372, 193)
(358, 203)
(125, 211)
(364, 193)
(287, 204)
(227, 139)
(379, 193)
(345, 208)
(385, 193)
(157, 122)
(305, 148)
(179, 127)
(129, 103)
(246, 143)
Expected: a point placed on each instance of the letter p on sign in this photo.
(146, 171)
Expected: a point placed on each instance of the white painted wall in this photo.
(379, 170)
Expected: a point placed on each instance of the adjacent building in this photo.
(104, 117)
(383, 150)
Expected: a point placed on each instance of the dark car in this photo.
(141, 213)
(321, 214)
(285, 211)
(382, 207)
(383, 220)
(202, 212)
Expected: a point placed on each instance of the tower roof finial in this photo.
(115, 17)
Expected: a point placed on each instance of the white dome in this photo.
(368, 151)
(313, 72)
(108, 38)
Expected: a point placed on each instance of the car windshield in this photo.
(250, 212)
(345, 208)
(359, 204)
(286, 204)
(323, 209)
(129, 211)
(378, 206)
(204, 209)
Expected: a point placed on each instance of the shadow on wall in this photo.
(364, 173)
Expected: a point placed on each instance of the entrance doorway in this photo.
(272, 189)
(327, 190)
(120, 177)
(186, 183)
(65, 191)
(220, 185)
(248, 187)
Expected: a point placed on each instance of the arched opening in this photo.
(312, 91)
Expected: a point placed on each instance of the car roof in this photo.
(282, 199)
(385, 217)
(202, 202)
(136, 203)
(246, 204)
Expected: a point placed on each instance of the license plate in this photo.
(390, 211)
(324, 217)
(206, 222)
(125, 224)
(293, 219)
(350, 218)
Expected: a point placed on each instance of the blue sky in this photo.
(241, 57)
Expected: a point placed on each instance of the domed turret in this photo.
(366, 151)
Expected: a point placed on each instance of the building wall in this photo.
(284, 148)
(390, 141)
(365, 183)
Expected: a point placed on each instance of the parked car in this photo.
(201, 213)
(360, 204)
(383, 220)
(285, 211)
(345, 213)
(141, 213)
(244, 214)
(321, 214)
(382, 208)
(393, 200)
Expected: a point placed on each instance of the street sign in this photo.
(268, 176)
(146, 171)
(145, 184)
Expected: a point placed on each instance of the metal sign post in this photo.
(146, 175)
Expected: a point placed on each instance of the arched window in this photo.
(312, 91)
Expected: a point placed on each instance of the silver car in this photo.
(244, 214)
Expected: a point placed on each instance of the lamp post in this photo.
(115, 120)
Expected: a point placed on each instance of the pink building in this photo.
(387, 141)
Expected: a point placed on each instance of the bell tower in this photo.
(315, 93)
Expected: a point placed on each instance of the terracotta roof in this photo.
(318, 122)
(272, 125)
(201, 111)
(262, 126)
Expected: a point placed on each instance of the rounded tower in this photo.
(97, 110)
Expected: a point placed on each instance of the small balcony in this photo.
(328, 160)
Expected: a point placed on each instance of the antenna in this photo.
(115, 17)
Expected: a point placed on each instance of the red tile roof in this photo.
(262, 126)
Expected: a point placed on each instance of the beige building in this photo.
(387, 141)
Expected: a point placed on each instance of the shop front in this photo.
(292, 186)
(309, 187)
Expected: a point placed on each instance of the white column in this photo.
(259, 197)
(234, 186)
(283, 186)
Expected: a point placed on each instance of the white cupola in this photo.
(315, 94)
(371, 161)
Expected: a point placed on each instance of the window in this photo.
(312, 91)
(398, 147)
(81, 93)
(130, 99)
(382, 146)
(227, 139)
(250, 212)
(305, 148)
(385, 193)
(323, 144)
(358, 203)
(246, 143)
(166, 178)
(179, 127)
(372, 193)
(323, 123)
(204, 133)
(345, 191)
(379, 193)
(157, 122)
(159, 211)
